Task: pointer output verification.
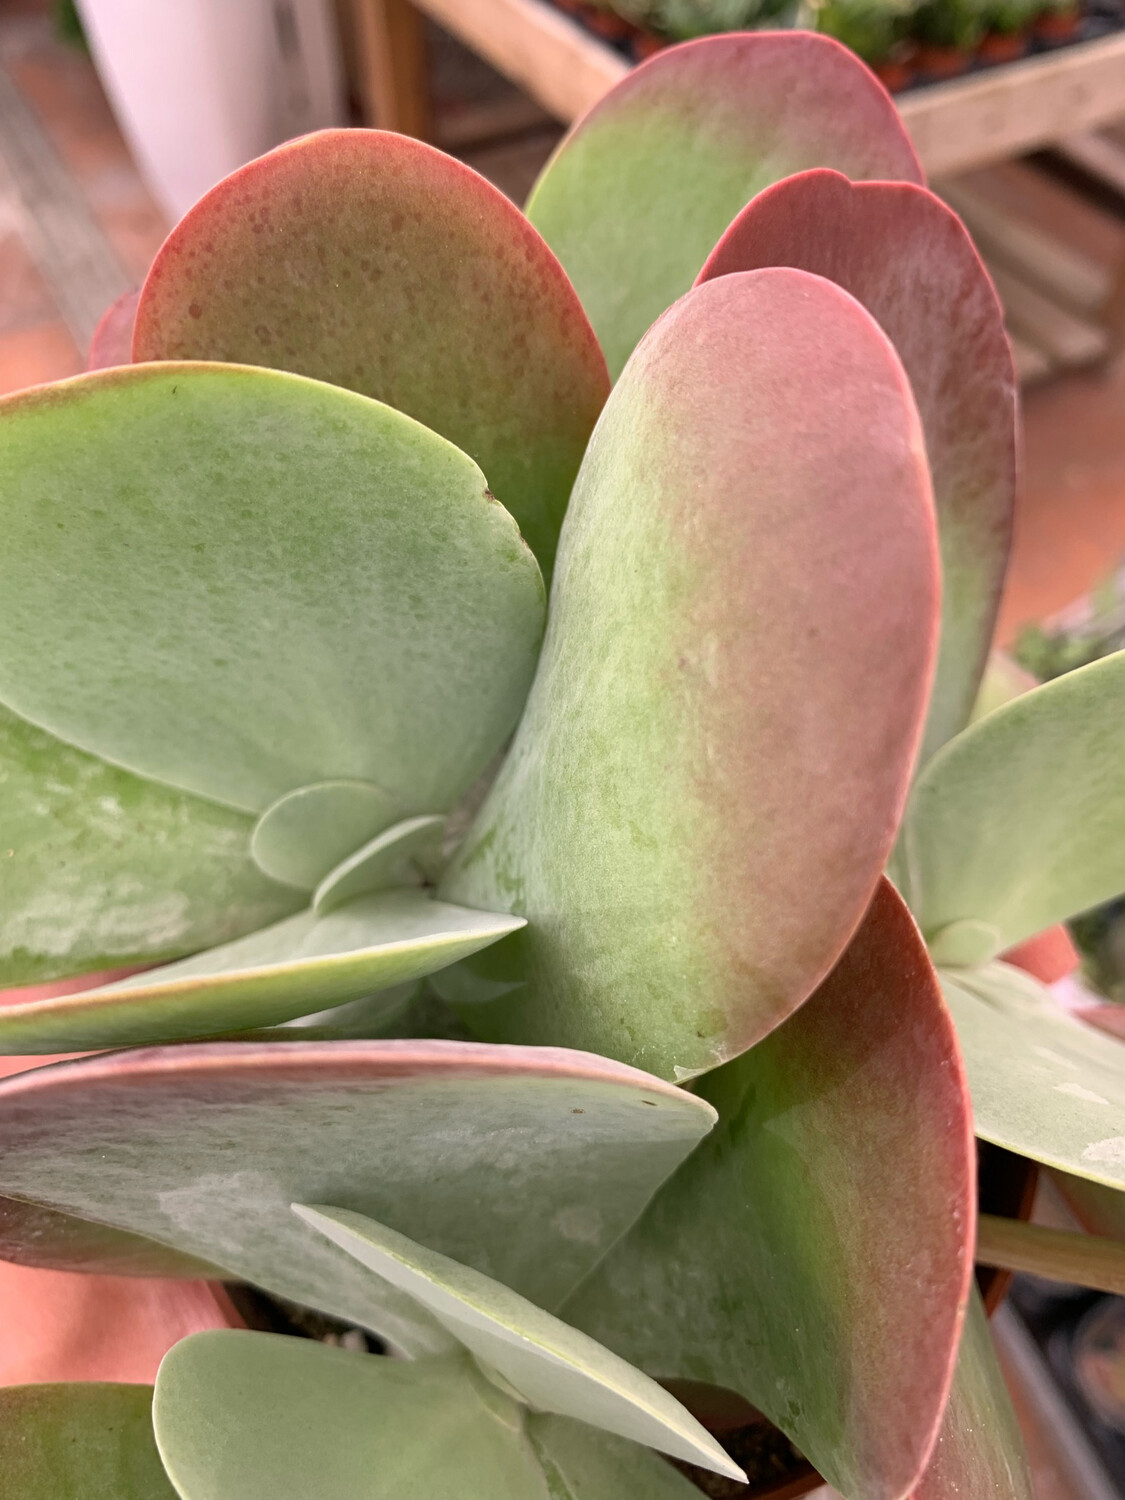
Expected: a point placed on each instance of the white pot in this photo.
(201, 86)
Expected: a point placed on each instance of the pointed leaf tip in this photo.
(554, 1367)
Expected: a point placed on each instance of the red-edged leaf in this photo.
(373, 261)
(717, 747)
(979, 1452)
(637, 194)
(523, 1163)
(814, 1253)
(909, 259)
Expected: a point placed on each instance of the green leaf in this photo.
(388, 860)
(296, 967)
(307, 832)
(373, 261)
(80, 1442)
(101, 870)
(979, 1453)
(583, 1464)
(634, 199)
(908, 258)
(765, 1265)
(524, 1163)
(704, 786)
(1019, 822)
(1043, 1085)
(241, 582)
(252, 1416)
(552, 1366)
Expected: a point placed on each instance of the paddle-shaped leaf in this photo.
(375, 262)
(241, 582)
(1019, 822)
(979, 1453)
(251, 1416)
(765, 1265)
(1043, 1084)
(908, 258)
(307, 832)
(298, 966)
(552, 1366)
(89, 1441)
(634, 199)
(100, 869)
(712, 763)
(526, 1164)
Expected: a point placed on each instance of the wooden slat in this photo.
(966, 122)
(1047, 262)
(1031, 364)
(1009, 110)
(1096, 154)
(545, 52)
(390, 47)
(1063, 337)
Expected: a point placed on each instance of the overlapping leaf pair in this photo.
(275, 602)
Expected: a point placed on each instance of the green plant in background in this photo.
(683, 19)
(275, 602)
(869, 27)
(951, 23)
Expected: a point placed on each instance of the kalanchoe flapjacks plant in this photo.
(275, 603)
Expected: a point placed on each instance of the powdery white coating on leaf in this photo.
(292, 968)
(472, 1150)
(714, 757)
(240, 582)
(99, 868)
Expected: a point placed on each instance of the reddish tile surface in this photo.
(33, 355)
(1070, 524)
(24, 296)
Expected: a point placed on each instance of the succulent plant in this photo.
(528, 988)
(683, 19)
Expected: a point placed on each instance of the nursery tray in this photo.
(981, 117)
